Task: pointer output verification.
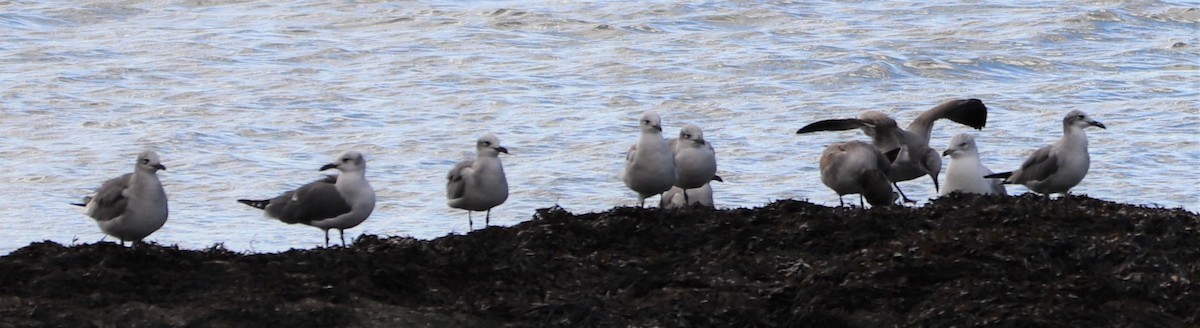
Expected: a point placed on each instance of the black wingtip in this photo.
(259, 204)
(892, 154)
(832, 125)
(972, 112)
(1002, 175)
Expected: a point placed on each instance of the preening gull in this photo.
(479, 184)
(914, 157)
(133, 205)
(1059, 167)
(966, 172)
(857, 168)
(334, 202)
(695, 161)
(649, 164)
(702, 196)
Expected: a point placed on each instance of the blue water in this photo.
(248, 99)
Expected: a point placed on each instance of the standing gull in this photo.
(334, 202)
(965, 172)
(1059, 167)
(857, 168)
(914, 157)
(133, 205)
(479, 184)
(695, 161)
(649, 164)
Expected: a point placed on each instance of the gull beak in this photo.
(658, 127)
(502, 150)
(700, 141)
(948, 152)
(1097, 124)
(160, 167)
(328, 166)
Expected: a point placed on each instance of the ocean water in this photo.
(247, 99)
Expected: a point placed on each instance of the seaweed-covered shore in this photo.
(962, 260)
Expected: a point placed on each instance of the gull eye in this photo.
(487, 143)
(345, 160)
(145, 161)
(1081, 116)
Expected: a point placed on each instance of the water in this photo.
(248, 99)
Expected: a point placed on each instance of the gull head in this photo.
(148, 161)
(961, 144)
(489, 145)
(348, 161)
(1079, 119)
(651, 122)
(693, 133)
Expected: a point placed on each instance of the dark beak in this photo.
(947, 152)
(1098, 124)
(160, 167)
(328, 166)
(502, 150)
(658, 127)
(700, 141)
(717, 178)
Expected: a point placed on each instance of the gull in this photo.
(479, 184)
(649, 164)
(133, 205)
(965, 172)
(703, 196)
(1059, 167)
(334, 202)
(857, 168)
(695, 161)
(914, 157)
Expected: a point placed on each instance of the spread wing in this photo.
(315, 201)
(835, 125)
(969, 112)
(109, 201)
(455, 185)
(1039, 166)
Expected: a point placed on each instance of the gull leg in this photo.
(487, 220)
(470, 222)
(902, 196)
(860, 201)
(342, 232)
(686, 201)
(326, 238)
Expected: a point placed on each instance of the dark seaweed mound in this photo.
(960, 260)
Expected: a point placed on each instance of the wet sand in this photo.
(959, 260)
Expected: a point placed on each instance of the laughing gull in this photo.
(695, 161)
(133, 205)
(334, 202)
(914, 157)
(965, 172)
(479, 184)
(1059, 167)
(649, 164)
(857, 168)
(702, 196)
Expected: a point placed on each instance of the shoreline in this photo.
(960, 259)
